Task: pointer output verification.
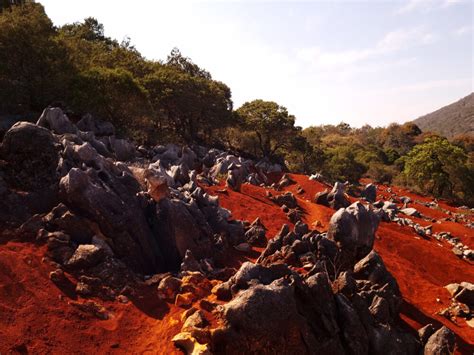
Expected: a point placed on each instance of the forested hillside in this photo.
(78, 68)
(452, 120)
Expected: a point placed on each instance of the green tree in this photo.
(87, 47)
(113, 95)
(33, 68)
(400, 138)
(179, 62)
(6, 4)
(193, 107)
(440, 168)
(273, 126)
(342, 165)
(302, 157)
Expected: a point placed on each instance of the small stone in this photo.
(122, 299)
(452, 288)
(207, 305)
(57, 276)
(184, 300)
(425, 333)
(86, 255)
(243, 247)
(187, 313)
(457, 252)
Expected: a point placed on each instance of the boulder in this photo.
(373, 269)
(234, 178)
(410, 211)
(336, 197)
(54, 119)
(86, 256)
(425, 333)
(285, 181)
(465, 294)
(157, 186)
(263, 319)
(190, 345)
(353, 229)
(189, 262)
(189, 158)
(380, 309)
(370, 192)
(441, 342)
(124, 150)
(100, 128)
(345, 284)
(78, 228)
(301, 229)
(316, 177)
(316, 301)
(180, 230)
(321, 198)
(255, 273)
(32, 156)
(113, 203)
(59, 247)
(255, 235)
(169, 287)
(354, 336)
(287, 199)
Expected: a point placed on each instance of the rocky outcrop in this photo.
(55, 120)
(256, 313)
(29, 158)
(118, 216)
(111, 202)
(98, 127)
(179, 231)
(353, 230)
(441, 342)
(84, 182)
(32, 156)
(335, 198)
(273, 309)
(369, 192)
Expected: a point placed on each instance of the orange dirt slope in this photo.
(38, 317)
(422, 267)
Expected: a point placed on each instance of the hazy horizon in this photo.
(358, 62)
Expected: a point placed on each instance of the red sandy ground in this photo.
(36, 316)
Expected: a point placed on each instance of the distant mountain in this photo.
(450, 120)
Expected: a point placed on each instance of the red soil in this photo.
(422, 267)
(37, 316)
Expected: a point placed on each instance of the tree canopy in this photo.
(440, 168)
(79, 68)
(273, 126)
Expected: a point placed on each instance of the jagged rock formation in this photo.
(274, 309)
(144, 204)
(119, 217)
(335, 198)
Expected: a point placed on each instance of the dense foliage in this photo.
(78, 67)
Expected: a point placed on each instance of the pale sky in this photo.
(359, 62)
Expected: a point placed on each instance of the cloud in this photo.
(405, 38)
(430, 85)
(393, 41)
(464, 30)
(426, 5)
(412, 5)
(447, 3)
